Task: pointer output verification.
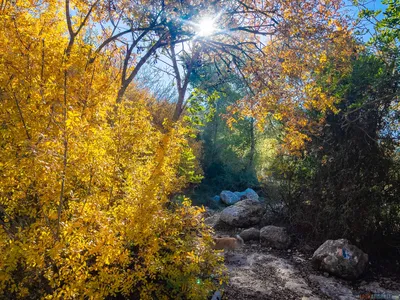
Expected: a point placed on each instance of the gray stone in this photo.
(241, 195)
(212, 221)
(251, 234)
(275, 237)
(245, 213)
(215, 222)
(247, 194)
(340, 258)
(251, 194)
(229, 198)
(217, 296)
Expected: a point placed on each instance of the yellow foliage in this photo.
(84, 183)
(310, 39)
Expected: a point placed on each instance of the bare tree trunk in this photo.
(125, 81)
(179, 105)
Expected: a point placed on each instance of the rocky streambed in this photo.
(256, 272)
(271, 266)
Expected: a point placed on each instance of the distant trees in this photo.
(345, 181)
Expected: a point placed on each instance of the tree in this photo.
(286, 76)
(82, 211)
(345, 180)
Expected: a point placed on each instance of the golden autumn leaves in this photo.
(84, 182)
(288, 77)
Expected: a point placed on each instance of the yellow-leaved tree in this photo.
(84, 181)
(290, 75)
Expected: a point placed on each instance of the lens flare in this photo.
(206, 27)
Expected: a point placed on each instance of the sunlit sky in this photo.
(208, 25)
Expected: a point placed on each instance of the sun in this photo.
(206, 27)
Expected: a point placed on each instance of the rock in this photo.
(245, 213)
(211, 221)
(215, 222)
(229, 198)
(247, 194)
(251, 194)
(340, 258)
(299, 259)
(241, 195)
(217, 296)
(274, 236)
(332, 288)
(251, 234)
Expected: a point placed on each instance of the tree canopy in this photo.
(93, 162)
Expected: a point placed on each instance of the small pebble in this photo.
(326, 274)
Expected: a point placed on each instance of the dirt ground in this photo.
(257, 272)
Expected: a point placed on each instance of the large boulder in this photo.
(241, 195)
(275, 237)
(247, 194)
(229, 198)
(215, 222)
(251, 234)
(250, 194)
(340, 258)
(245, 213)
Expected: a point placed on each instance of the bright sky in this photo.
(205, 29)
(372, 4)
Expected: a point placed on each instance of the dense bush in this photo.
(346, 182)
(84, 183)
